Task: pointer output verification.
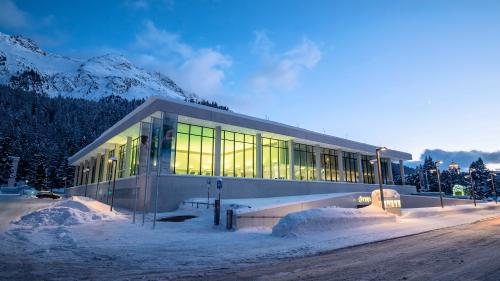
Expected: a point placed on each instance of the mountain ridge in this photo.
(25, 66)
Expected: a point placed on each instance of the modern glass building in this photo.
(176, 146)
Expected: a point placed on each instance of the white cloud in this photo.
(138, 4)
(281, 71)
(11, 16)
(198, 70)
(146, 4)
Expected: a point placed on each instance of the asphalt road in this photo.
(467, 252)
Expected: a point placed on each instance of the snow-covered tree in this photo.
(6, 152)
(480, 175)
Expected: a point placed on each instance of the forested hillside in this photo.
(44, 131)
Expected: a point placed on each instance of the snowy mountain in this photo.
(24, 66)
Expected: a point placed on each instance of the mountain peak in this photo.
(22, 42)
(25, 66)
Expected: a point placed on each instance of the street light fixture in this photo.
(473, 190)
(113, 161)
(437, 163)
(493, 189)
(378, 152)
(86, 172)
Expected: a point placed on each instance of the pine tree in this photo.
(480, 175)
(5, 159)
(430, 183)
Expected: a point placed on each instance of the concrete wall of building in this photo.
(173, 189)
(415, 201)
(271, 216)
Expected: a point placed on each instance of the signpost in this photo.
(209, 183)
(217, 203)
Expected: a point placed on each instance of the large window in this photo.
(304, 162)
(122, 152)
(194, 150)
(101, 168)
(110, 168)
(238, 153)
(385, 170)
(350, 166)
(368, 169)
(93, 162)
(329, 165)
(274, 159)
(134, 157)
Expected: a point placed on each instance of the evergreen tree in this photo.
(5, 159)
(480, 175)
(451, 178)
(430, 183)
(44, 131)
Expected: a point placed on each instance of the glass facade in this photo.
(101, 168)
(122, 151)
(385, 170)
(368, 169)
(274, 159)
(134, 157)
(194, 150)
(350, 166)
(238, 153)
(110, 164)
(329, 165)
(304, 162)
(183, 148)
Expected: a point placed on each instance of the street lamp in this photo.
(113, 161)
(473, 190)
(86, 171)
(439, 162)
(378, 152)
(493, 189)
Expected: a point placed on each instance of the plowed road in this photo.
(467, 252)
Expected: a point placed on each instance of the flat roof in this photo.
(202, 112)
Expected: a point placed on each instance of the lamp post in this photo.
(493, 189)
(209, 183)
(113, 161)
(86, 172)
(439, 162)
(473, 190)
(378, 152)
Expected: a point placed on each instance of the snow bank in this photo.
(257, 204)
(447, 210)
(328, 219)
(72, 211)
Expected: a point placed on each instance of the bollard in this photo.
(229, 219)
(217, 212)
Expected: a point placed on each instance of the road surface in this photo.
(467, 252)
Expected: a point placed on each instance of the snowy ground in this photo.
(80, 238)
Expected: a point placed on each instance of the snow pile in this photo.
(327, 219)
(447, 210)
(68, 212)
(256, 204)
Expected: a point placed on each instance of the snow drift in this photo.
(329, 219)
(447, 210)
(67, 212)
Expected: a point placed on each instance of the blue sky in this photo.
(410, 75)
